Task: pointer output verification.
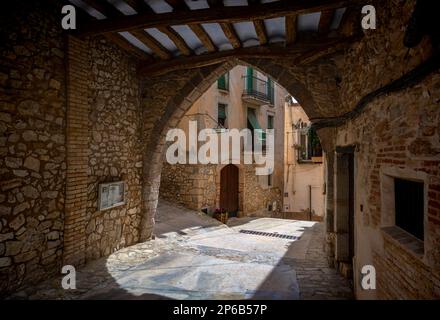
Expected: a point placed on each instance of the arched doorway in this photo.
(229, 189)
(166, 104)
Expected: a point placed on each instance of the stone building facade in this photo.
(226, 105)
(375, 105)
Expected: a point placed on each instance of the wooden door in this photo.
(229, 189)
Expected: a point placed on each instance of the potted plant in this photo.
(221, 215)
(316, 146)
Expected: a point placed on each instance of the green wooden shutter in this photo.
(252, 118)
(221, 82)
(249, 79)
(270, 89)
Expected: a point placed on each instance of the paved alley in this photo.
(196, 257)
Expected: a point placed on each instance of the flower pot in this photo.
(317, 159)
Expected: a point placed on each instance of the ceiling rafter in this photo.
(215, 3)
(291, 29)
(349, 23)
(139, 6)
(140, 34)
(113, 37)
(152, 43)
(228, 28)
(325, 21)
(303, 50)
(218, 14)
(200, 32)
(260, 29)
(103, 7)
(229, 31)
(204, 37)
(127, 46)
(177, 40)
(309, 50)
(177, 5)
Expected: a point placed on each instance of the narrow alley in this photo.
(219, 150)
(197, 257)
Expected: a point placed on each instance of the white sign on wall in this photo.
(111, 195)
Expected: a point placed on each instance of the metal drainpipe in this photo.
(310, 203)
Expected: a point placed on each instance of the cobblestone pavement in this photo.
(196, 257)
(316, 279)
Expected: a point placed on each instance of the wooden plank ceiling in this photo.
(173, 34)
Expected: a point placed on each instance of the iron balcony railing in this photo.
(259, 89)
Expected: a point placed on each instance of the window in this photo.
(270, 91)
(308, 143)
(269, 122)
(269, 180)
(409, 206)
(249, 79)
(221, 117)
(223, 82)
(258, 87)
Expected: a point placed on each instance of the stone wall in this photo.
(398, 131)
(257, 195)
(70, 119)
(192, 186)
(32, 145)
(198, 186)
(115, 148)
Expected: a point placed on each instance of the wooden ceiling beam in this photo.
(140, 34)
(127, 46)
(152, 43)
(103, 7)
(219, 14)
(115, 38)
(177, 5)
(325, 21)
(350, 23)
(177, 40)
(180, 6)
(229, 31)
(260, 29)
(264, 52)
(140, 6)
(228, 28)
(215, 3)
(204, 37)
(291, 29)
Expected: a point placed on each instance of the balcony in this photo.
(258, 91)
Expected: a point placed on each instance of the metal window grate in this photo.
(269, 234)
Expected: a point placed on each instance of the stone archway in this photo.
(167, 98)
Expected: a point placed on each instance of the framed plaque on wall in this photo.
(111, 195)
